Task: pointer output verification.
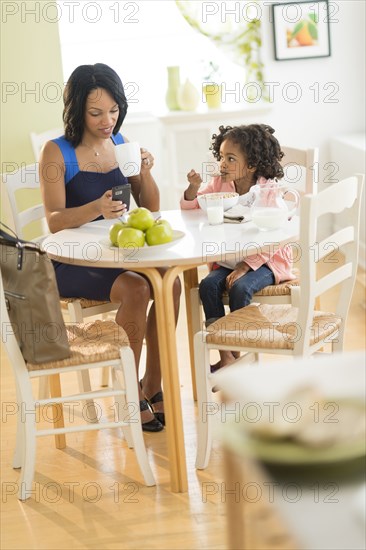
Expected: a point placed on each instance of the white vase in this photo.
(188, 96)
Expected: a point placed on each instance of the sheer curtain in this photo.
(139, 40)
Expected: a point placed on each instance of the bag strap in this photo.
(9, 229)
(21, 245)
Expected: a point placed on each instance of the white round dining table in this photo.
(195, 243)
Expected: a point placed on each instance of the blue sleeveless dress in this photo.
(82, 187)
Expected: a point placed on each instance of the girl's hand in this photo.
(147, 161)
(194, 179)
(110, 209)
(240, 270)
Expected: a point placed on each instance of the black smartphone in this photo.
(122, 193)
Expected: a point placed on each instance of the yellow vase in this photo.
(212, 94)
(171, 97)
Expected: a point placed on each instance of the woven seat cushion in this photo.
(84, 302)
(89, 343)
(282, 289)
(268, 326)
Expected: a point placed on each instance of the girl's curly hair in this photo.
(82, 81)
(260, 148)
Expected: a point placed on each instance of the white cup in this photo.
(128, 156)
(215, 210)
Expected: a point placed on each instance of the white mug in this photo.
(128, 156)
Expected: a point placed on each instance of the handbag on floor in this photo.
(32, 300)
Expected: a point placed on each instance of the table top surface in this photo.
(195, 242)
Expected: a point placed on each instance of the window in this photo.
(138, 39)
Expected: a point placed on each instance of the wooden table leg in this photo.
(164, 307)
(190, 281)
(174, 388)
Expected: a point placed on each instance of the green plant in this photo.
(211, 72)
(243, 42)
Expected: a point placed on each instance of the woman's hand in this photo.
(147, 161)
(111, 209)
(143, 186)
(240, 270)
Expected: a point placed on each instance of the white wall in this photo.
(308, 122)
(316, 123)
(319, 123)
(304, 123)
(331, 90)
(331, 100)
(30, 70)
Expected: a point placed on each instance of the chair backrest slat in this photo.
(301, 167)
(343, 201)
(38, 140)
(16, 183)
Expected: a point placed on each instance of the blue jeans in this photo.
(213, 286)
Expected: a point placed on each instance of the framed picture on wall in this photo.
(301, 30)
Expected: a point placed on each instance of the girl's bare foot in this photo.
(215, 367)
(226, 358)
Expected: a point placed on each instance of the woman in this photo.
(77, 173)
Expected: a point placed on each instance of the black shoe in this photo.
(158, 397)
(153, 425)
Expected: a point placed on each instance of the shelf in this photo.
(212, 114)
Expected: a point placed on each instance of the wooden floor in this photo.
(90, 495)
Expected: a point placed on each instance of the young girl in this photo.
(247, 155)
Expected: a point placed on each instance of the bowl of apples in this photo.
(142, 230)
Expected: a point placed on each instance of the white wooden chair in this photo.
(26, 178)
(296, 329)
(110, 348)
(38, 140)
(300, 168)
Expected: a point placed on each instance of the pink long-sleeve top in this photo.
(279, 262)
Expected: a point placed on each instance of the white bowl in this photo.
(230, 199)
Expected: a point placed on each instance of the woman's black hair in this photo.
(260, 148)
(83, 80)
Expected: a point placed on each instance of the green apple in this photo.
(130, 237)
(165, 222)
(113, 231)
(160, 233)
(141, 218)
